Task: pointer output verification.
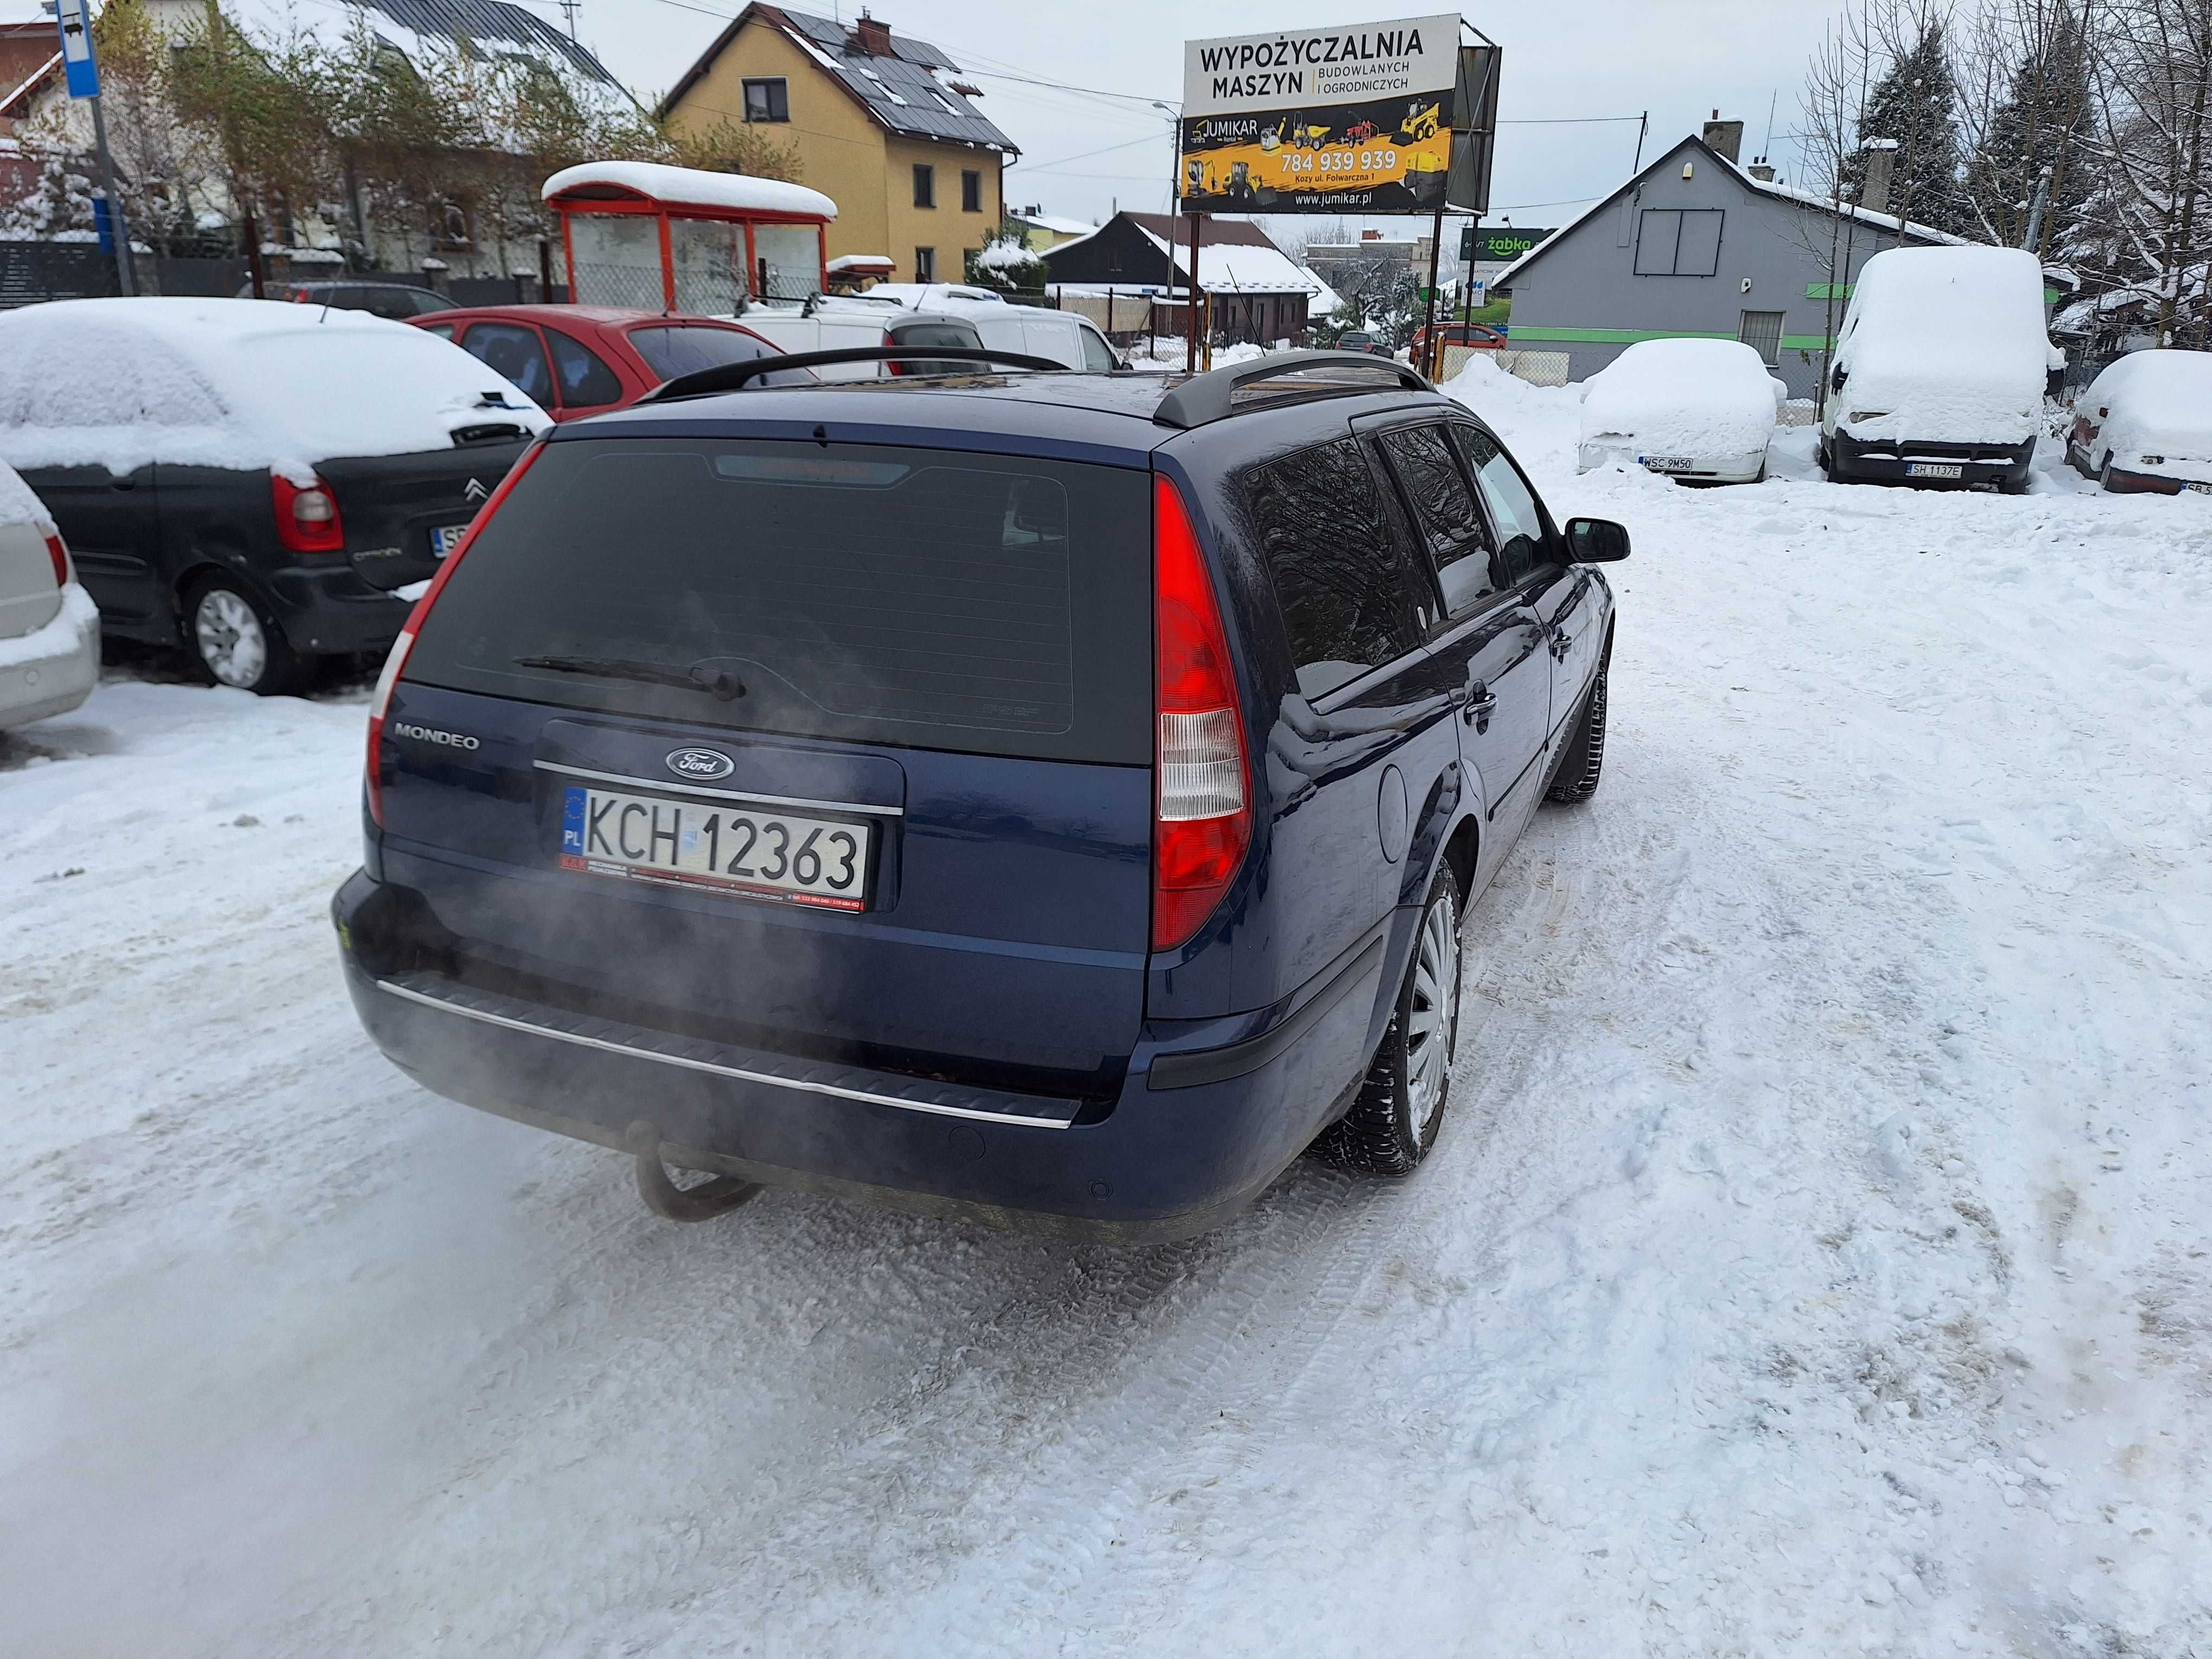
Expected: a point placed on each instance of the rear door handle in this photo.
(1482, 703)
(1560, 644)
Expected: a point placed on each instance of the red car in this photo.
(585, 360)
(1480, 336)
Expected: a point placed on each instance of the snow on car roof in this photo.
(1683, 396)
(693, 187)
(244, 384)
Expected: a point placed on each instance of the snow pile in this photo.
(1944, 345)
(244, 383)
(2161, 405)
(1710, 401)
(679, 186)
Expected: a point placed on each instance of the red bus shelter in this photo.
(646, 236)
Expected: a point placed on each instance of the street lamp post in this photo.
(1175, 191)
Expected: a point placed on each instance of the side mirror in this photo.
(1596, 541)
(1837, 380)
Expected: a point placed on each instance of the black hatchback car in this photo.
(1047, 798)
(251, 481)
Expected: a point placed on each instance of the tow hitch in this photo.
(671, 1202)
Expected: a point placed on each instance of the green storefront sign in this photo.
(1497, 246)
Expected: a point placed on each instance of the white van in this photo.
(856, 320)
(1060, 336)
(1939, 372)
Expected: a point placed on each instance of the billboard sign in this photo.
(1497, 246)
(1356, 119)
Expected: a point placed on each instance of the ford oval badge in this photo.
(705, 764)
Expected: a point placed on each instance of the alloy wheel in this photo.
(232, 642)
(1433, 1018)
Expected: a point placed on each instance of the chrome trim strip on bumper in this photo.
(717, 794)
(630, 1051)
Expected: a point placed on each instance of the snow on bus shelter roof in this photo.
(718, 195)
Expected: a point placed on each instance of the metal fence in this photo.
(31, 272)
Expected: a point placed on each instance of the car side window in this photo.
(1350, 601)
(516, 352)
(443, 331)
(1512, 504)
(586, 380)
(1097, 355)
(1438, 489)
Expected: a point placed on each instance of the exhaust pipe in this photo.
(671, 1202)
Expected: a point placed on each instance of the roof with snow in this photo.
(494, 26)
(1234, 258)
(1807, 198)
(1054, 223)
(738, 192)
(892, 77)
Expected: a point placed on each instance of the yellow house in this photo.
(913, 166)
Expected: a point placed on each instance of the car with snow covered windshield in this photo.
(1699, 410)
(49, 626)
(252, 481)
(2145, 424)
(1044, 797)
(1939, 370)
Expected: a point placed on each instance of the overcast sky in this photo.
(1677, 58)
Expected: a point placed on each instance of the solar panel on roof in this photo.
(484, 22)
(901, 90)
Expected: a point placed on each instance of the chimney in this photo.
(1881, 160)
(1726, 137)
(873, 38)
(1762, 171)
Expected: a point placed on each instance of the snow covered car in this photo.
(1059, 337)
(1939, 372)
(248, 479)
(1698, 409)
(49, 626)
(856, 323)
(2145, 424)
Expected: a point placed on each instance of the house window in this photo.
(971, 191)
(768, 100)
(1762, 333)
(1678, 241)
(925, 262)
(924, 184)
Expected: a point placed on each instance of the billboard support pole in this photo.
(1430, 355)
(1190, 360)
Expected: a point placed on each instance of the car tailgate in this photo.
(393, 506)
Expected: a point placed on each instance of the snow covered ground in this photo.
(1816, 1261)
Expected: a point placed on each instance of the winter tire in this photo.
(1394, 1120)
(1582, 758)
(229, 632)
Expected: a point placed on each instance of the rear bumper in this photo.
(51, 671)
(1175, 1154)
(1882, 461)
(328, 608)
(2151, 483)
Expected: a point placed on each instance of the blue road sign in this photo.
(74, 19)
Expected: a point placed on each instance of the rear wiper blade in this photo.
(720, 682)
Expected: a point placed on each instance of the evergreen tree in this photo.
(1916, 103)
(2040, 125)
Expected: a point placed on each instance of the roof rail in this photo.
(1206, 398)
(729, 377)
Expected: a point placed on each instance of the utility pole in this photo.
(1175, 194)
(74, 20)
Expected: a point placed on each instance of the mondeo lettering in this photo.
(431, 734)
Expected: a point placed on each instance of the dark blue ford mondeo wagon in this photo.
(1043, 798)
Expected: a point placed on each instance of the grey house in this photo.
(1696, 246)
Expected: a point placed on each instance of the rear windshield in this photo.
(990, 603)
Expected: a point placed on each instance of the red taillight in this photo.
(396, 662)
(306, 516)
(1203, 819)
(892, 364)
(60, 555)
